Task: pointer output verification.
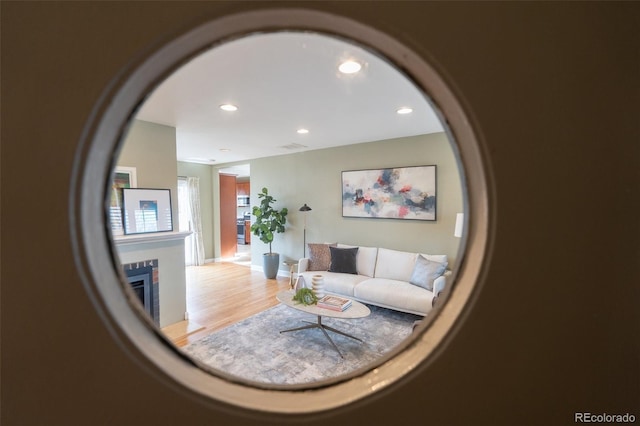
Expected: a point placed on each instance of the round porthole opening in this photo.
(459, 222)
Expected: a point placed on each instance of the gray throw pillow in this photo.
(425, 272)
(343, 260)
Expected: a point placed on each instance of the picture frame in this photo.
(123, 177)
(407, 193)
(146, 210)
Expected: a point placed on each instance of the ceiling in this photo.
(282, 82)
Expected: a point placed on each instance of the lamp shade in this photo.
(305, 208)
(457, 232)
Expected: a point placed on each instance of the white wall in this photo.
(314, 177)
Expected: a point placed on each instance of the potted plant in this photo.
(269, 221)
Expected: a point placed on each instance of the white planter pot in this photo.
(317, 285)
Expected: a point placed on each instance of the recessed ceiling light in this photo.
(303, 131)
(224, 150)
(228, 107)
(349, 67)
(404, 110)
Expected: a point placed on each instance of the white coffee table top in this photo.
(356, 310)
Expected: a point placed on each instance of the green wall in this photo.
(314, 177)
(151, 149)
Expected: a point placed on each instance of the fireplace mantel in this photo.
(150, 238)
(168, 249)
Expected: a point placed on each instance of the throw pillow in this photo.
(425, 272)
(343, 260)
(319, 257)
(365, 260)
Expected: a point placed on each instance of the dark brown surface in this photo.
(553, 90)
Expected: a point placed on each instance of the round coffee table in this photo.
(356, 310)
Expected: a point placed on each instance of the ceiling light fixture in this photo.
(349, 67)
(303, 131)
(228, 107)
(224, 150)
(404, 110)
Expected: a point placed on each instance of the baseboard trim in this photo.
(281, 273)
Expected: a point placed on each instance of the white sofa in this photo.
(383, 279)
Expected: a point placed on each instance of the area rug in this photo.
(254, 349)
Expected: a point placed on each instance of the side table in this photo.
(291, 264)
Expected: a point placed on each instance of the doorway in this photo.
(235, 214)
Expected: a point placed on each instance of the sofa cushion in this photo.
(425, 272)
(343, 260)
(337, 283)
(319, 256)
(394, 294)
(365, 260)
(395, 265)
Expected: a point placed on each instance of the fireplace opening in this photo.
(143, 279)
(142, 287)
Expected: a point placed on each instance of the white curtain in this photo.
(197, 245)
(190, 219)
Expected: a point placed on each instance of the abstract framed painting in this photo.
(407, 193)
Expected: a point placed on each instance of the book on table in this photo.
(334, 303)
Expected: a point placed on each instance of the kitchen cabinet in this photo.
(243, 188)
(242, 191)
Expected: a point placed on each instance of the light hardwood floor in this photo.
(220, 294)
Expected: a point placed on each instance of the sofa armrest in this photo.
(439, 283)
(303, 264)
